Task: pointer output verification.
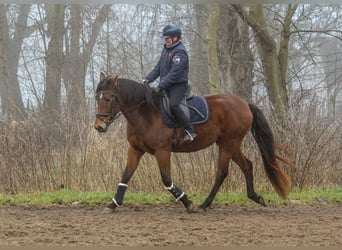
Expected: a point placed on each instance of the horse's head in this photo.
(107, 102)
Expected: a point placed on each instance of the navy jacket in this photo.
(172, 67)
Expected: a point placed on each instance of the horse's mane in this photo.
(134, 93)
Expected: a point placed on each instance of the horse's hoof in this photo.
(201, 210)
(107, 210)
(261, 201)
(192, 209)
(110, 208)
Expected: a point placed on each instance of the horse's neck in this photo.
(135, 117)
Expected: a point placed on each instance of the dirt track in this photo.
(165, 225)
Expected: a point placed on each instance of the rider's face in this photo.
(170, 40)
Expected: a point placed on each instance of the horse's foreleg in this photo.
(133, 158)
(221, 174)
(163, 159)
(247, 168)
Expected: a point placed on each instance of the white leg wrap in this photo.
(123, 184)
(170, 187)
(115, 202)
(175, 191)
(180, 197)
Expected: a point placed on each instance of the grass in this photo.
(326, 196)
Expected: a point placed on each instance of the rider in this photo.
(173, 69)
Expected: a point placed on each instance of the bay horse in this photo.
(230, 118)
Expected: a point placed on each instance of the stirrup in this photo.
(189, 137)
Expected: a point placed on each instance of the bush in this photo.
(45, 154)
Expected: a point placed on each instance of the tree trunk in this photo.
(11, 98)
(213, 66)
(74, 65)
(198, 58)
(235, 57)
(54, 58)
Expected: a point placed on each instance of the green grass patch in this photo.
(102, 198)
(56, 197)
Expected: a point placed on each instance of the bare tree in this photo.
(274, 57)
(234, 54)
(230, 61)
(331, 53)
(79, 46)
(11, 40)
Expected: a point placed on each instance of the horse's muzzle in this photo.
(100, 125)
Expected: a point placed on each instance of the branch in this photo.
(96, 28)
(256, 24)
(327, 32)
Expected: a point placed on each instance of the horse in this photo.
(230, 119)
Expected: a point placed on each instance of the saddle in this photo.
(194, 107)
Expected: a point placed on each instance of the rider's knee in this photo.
(174, 107)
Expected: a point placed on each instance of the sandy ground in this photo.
(170, 225)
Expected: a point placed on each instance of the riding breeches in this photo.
(176, 94)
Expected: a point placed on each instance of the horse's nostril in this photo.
(100, 129)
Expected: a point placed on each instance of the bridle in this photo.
(109, 115)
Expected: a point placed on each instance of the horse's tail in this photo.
(264, 137)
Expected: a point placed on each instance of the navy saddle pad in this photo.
(198, 108)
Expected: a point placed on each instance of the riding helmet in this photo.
(171, 30)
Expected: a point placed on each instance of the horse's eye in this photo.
(108, 99)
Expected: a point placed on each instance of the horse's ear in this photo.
(102, 76)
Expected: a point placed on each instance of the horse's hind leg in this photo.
(221, 174)
(247, 168)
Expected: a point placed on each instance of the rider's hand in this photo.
(154, 86)
(145, 81)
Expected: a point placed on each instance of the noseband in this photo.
(110, 116)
